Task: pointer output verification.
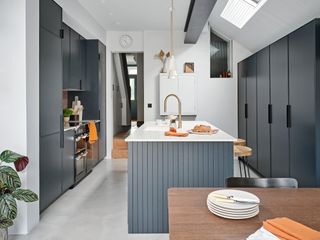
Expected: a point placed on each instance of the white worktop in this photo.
(151, 132)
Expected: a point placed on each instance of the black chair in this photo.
(236, 182)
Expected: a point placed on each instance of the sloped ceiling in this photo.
(274, 20)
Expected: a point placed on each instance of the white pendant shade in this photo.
(172, 68)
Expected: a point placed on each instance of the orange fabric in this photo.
(176, 134)
(287, 229)
(93, 135)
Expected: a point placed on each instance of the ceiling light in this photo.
(239, 12)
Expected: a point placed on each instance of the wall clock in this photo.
(125, 41)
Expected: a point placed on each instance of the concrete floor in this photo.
(95, 209)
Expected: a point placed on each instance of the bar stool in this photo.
(240, 142)
(242, 153)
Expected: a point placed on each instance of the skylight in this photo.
(239, 12)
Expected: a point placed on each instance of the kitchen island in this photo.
(158, 162)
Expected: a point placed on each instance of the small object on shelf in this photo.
(189, 67)
(74, 120)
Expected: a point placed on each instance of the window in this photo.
(132, 70)
(220, 56)
(133, 88)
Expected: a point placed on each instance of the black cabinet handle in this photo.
(289, 116)
(270, 113)
(80, 84)
(61, 131)
(246, 110)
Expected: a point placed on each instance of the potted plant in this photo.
(10, 189)
(67, 112)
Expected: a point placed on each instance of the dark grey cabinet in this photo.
(242, 100)
(288, 130)
(252, 109)
(102, 101)
(302, 90)
(279, 97)
(68, 166)
(94, 100)
(50, 16)
(66, 56)
(50, 83)
(51, 121)
(50, 169)
(264, 112)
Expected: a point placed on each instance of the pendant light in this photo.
(172, 63)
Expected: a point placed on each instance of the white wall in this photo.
(78, 18)
(19, 103)
(217, 98)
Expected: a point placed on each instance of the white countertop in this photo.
(151, 132)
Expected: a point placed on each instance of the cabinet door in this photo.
(186, 93)
(50, 83)
(242, 100)
(263, 110)
(75, 61)
(68, 168)
(50, 16)
(279, 84)
(50, 170)
(302, 100)
(252, 109)
(103, 102)
(84, 85)
(66, 55)
(168, 86)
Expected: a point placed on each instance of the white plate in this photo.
(232, 210)
(214, 131)
(235, 217)
(235, 193)
(236, 214)
(228, 211)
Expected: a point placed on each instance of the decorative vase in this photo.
(3, 234)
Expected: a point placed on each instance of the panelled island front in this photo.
(157, 163)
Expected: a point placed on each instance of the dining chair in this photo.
(237, 182)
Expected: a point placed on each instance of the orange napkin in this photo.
(287, 229)
(176, 134)
(93, 135)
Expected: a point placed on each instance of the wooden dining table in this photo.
(190, 219)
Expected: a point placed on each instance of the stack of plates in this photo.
(233, 204)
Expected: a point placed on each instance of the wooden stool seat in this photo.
(242, 151)
(239, 142)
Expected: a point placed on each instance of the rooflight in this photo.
(239, 12)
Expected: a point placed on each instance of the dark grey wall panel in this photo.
(50, 83)
(156, 166)
(252, 109)
(242, 100)
(263, 112)
(279, 81)
(302, 62)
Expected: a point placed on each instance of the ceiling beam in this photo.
(198, 15)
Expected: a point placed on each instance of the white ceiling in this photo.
(274, 20)
(131, 15)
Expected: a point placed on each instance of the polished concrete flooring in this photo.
(96, 209)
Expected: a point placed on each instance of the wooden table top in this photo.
(189, 217)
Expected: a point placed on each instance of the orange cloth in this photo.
(93, 135)
(287, 229)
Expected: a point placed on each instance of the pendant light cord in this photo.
(171, 29)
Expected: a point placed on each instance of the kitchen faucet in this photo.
(179, 107)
